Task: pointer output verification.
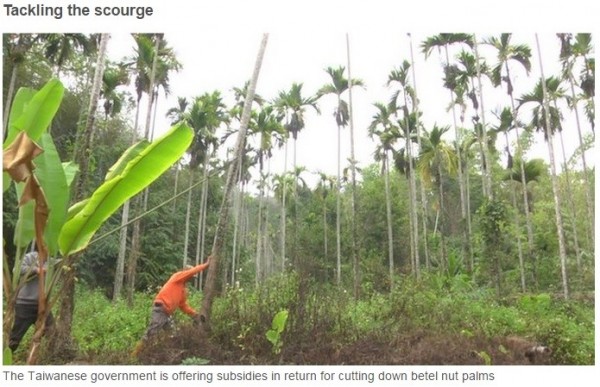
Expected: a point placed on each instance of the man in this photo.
(26, 307)
(172, 296)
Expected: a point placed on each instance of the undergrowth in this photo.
(326, 319)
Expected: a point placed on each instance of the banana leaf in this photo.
(51, 175)
(22, 98)
(37, 113)
(138, 174)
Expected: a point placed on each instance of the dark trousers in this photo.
(159, 320)
(25, 316)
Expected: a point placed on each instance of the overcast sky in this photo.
(225, 60)
(217, 44)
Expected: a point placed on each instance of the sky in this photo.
(217, 43)
(226, 60)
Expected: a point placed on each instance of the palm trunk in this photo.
(588, 187)
(461, 183)
(325, 252)
(188, 215)
(202, 214)
(259, 236)
(9, 97)
(238, 196)
(120, 270)
(137, 227)
(268, 268)
(557, 202)
(175, 188)
(469, 225)
(210, 289)
(295, 241)
(422, 188)
(573, 212)
(528, 221)
(388, 207)
(283, 210)
(444, 258)
(412, 193)
(486, 156)
(513, 197)
(337, 214)
(355, 262)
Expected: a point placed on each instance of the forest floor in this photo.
(412, 349)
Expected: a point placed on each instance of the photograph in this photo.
(299, 198)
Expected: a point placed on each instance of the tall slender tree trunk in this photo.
(557, 202)
(188, 215)
(238, 224)
(526, 208)
(569, 192)
(210, 289)
(202, 215)
(422, 188)
(517, 222)
(412, 193)
(137, 226)
(259, 231)
(325, 250)
(9, 97)
(486, 154)
(355, 262)
(120, 272)
(295, 259)
(444, 256)
(176, 186)
(267, 249)
(461, 181)
(120, 269)
(236, 231)
(441, 217)
(588, 187)
(283, 210)
(388, 211)
(338, 213)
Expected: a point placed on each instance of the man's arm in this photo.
(186, 275)
(185, 308)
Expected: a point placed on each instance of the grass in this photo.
(106, 332)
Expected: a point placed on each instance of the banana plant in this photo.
(42, 182)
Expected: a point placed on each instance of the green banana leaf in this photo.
(25, 227)
(51, 175)
(139, 173)
(76, 208)
(71, 170)
(22, 98)
(129, 154)
(37, 113)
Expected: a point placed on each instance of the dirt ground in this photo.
(414, 349)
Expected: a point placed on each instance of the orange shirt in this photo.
(173, 294)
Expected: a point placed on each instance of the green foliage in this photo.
(100, 326)
(195, 361)
(493, 217)
(7, 357)
(33, 112)
(487, 360)
(138, 172)
(277, 327)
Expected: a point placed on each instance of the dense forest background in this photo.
(443, 249)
